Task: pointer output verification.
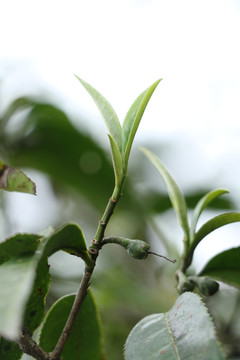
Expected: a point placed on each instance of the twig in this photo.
(82, 292)
(30, 347)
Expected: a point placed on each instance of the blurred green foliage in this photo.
(80, 173)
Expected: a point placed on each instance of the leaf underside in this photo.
(185, 332)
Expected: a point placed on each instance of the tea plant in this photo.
(71, 328)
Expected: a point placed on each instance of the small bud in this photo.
(138, 249)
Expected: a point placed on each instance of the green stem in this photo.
(96, 242)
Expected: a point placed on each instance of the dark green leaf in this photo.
(9, 350)
(107, 112)
(85, 341)
(18, 244)
(203, 202)
(175, 193)
(225, 267)
(213, 224)
(185, 332)
(133, 118)
(69, 238)
(25, 274)
(34, 312)
(12, 179)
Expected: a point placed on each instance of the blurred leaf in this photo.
(225, 267)
(50, 143)
(12, 179)
(85, 341)
(213, 224)
(159, 202)
(18, 274)
(117, 161)
(16, 281)
(9, 350)
(34, 312)
(185, 332)
(175, 193)
(35, 309)
(133, 118)
(203, 202)
(18, 244)
(107, 112)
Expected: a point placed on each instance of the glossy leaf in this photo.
(185, 332)
(107, 112)
(85, 340)
(175, 193)
(213, 224)
(203, 202)
(225, 267)
(117, 162)
(12, 179)
(133, 118)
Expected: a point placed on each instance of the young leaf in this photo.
(185, 332)
(85, 340)
(211, 225)
(117, 161)
(133, 118)
(107, 112)
(12, 179)
(225, 267)
(175, 193)
(203, 202)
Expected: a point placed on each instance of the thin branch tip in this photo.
(164, 257)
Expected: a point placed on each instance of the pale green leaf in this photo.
(175, 193)
(203, 202)
(117, 161)
(85, 340)
(133, 118)
(185, 332)
(111, 120)
(12, 179)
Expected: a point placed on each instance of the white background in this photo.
(121, 47)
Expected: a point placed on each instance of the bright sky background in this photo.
(122, 47)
